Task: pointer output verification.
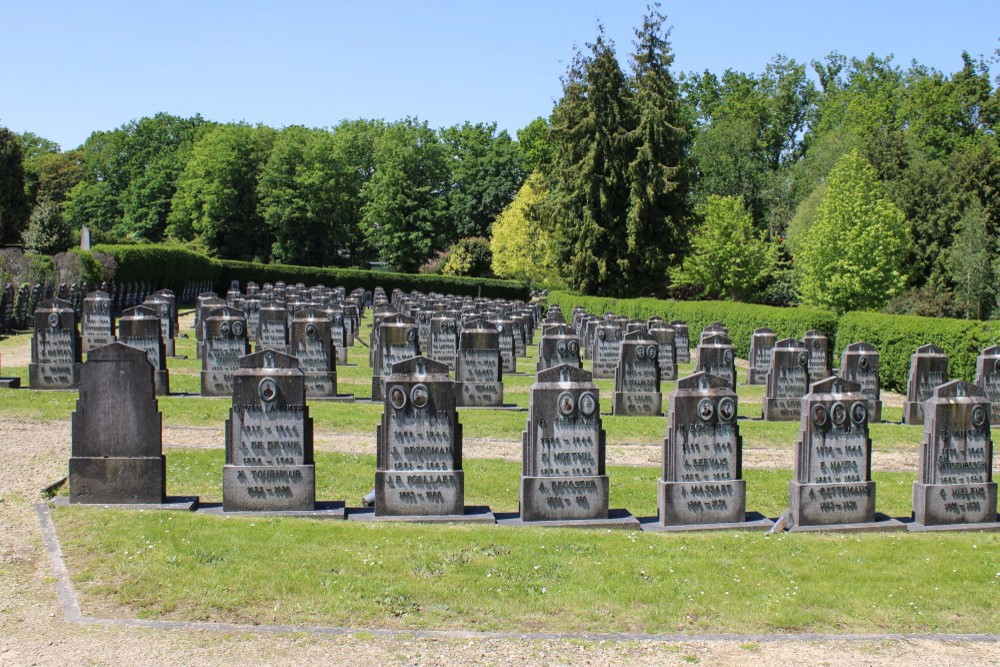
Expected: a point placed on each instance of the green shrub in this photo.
(740, 318)
(896, 337)
(163, 265)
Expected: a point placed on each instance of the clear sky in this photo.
(69, 67)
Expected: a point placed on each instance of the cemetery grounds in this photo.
(183, 588)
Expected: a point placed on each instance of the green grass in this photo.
(412, 576)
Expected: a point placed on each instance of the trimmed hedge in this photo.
(740, 318)
(896, 337)
(173, 266)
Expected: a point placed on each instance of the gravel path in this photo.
(33, 630)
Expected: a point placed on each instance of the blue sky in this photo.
(71, 67)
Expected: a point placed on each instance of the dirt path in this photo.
(34, 632)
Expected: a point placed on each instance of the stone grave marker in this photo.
(272, 328)
(160, 306)
(558, 346)
(665, 337)
(607, 344)
(225, 343)
(479, 369)
(717, 356)
(988, 379)
(97, 322)
(702, 484)
(682, 339)
(339, 333)
(505, 327)
(713, 329)
(637, 378)
(833, 487)
(955, 488)
(859, 363)
(761, 342)
(56, 350)
(140, 327)
(117, 452)
(443, 339)
(787, 381)
(397, 341)
(204, 305)
(928, 369)
(563, 477)
(312, 345)
(818, 345)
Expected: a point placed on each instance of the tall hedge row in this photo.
(173, 266)
(740, 318)
(896, 337)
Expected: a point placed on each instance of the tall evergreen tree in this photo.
(13, 203)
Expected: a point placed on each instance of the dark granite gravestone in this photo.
(682, 339)
(859, 363)
(702, 484)
(443, 339)
(479, 369)
(160, 306)
(637, 378)
(117, 453)
(204, 305)
(988, 379)
(140, 328)
(928, 370)
(269, 441)
(224, 344)
(563, 478)
(55, 347)
(251, 311)
(717, 356)
(607, 345)
(396, 341)
(558, 346)
(665, 337)
(505, 327)
(818, 345)
(419, 472)
(272, 328)
(97, 322)
(713, 329)
(833, 487)
(955, 488)
(787, 381)
(761, 342)
(423, 319)
(312, 345)
(339, 334)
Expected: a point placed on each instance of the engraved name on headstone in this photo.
(717, 356)
(761, 342)
(56, 349)
(818, 344)
(97, 322)
(558, 345)
(787, 381)
(859, 363)
(140, 327)
(928, 370)
(666, 341)
(682, 339)
(312, 344)
(607, 344)
(479, 369)
(396, 342)
(224, 344)
(637, 377)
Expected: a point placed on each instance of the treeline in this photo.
(846, 183)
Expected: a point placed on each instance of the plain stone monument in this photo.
(787, 381)
(56, 349)
(478, 369)
(988, 379)
(833, 487)
(97, 322)
(717, 356)
(859, 363)
(637, 378)
(955, 488)
(140, 327)
(928, 369)
(225, 342)
(702, 484)
(761, 342)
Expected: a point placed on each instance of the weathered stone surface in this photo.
(761, 342)
(859, 363)
(637, 377)
(818, 344)
(717, 356)
(395, 342)
(272, 328)
(607, 346)
(713, 329)
(558, 346)
(140, 327)
(682, 339)
(225, 342)
(479, 369)
(97, 322)
(56, 349)
(269, 438)
(443, 340)
(988, 379)
(702, 456)
(117, 454)
(312, 344)
(204, 305)
(787, 381)
(955, 484)
(666, 342)
(928, 370)
(508, 353)
(160, 305)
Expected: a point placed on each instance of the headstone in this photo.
(224, 344)
(479, 369)
(397, 341)
(97, 322)
(702, 482)
(607, 344)
(160, 306)
(56, 350)
(563, 477)
(713, 329)
(818, 345)
(312, 345)
(717, 356)
(928, 370)
(665, 337)
(117, 453)
(204, 305)
(761, 342)
(683, 341)
(859, 363)
(988, 379)
(269, 440)
(505, 327)
(140, 327)
(272, 328)
(955, 487)
(443, 339)
(833, 487)
(558, 346)
(637, 378)
(340, 332)
(787, 381)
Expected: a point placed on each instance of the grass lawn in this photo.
(253, 570)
